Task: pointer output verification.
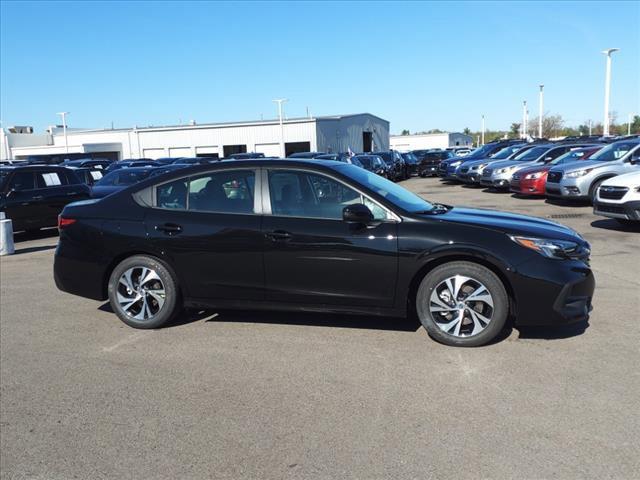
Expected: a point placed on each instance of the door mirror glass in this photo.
(357, 213)
(635, 158)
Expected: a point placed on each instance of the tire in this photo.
(444, 324)
(161, 308)
(593, 192)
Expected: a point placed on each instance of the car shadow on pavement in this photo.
(520, 196)
(20, 251)
(612, 224)
(556, 332)
(291, 318)
(37, 235)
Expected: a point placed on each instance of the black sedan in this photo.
(318, 236)
(119, 179)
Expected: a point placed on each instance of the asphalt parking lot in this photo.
(257, 395)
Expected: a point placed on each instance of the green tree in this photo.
(405, 132)
(515, 129)
(467, 131)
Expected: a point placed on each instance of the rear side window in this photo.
(22, 181)
(50, 179)
(173, 195)
(223, 192)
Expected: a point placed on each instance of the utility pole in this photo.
(64, 129)
(590, 127)
(607, 90)
(540, 111)
(280, 101)
(482, 129)
(524, 119)
(629, 124)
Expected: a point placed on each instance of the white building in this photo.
(359, 132)
(430, 140)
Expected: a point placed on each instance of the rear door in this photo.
(312, 256)
(209, 226)
(22, 200)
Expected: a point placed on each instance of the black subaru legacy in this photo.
(324, 236)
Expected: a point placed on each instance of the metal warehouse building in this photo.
(430, 140)
(359, 132)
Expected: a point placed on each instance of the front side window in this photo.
(614, 151)
(309, 195)
(22, 181)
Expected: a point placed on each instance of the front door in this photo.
(312, 256)
(23, 201)
(208, 227)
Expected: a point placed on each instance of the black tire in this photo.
(593, 192)
(166, 312)
(478, 273)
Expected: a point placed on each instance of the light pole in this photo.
(524, 119)
(64, 129)
(607, 89)
(540, 110)
(280, 101)
(629, 124)
(482, 129)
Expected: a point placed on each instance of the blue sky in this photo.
(419, 65)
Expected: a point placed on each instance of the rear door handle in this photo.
(279, 236)
(169, 228)
(72, 193)
(37, 197)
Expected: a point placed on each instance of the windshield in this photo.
(615, 151)
(399, 196)
(123, 177)
(571, 156)
(366, 161)
(506, 152)
(531, 154)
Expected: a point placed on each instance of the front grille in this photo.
(613, 193)
(487, 172)
(610, 209)
(516, 176)
(554, 177)
(464, 169)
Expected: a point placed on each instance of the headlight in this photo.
(479, 167)
(548, 248)
(455, 164)
(533, 176)
(504, 170)
(578, 173)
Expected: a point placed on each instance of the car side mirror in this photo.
(547, 159)
(635, 158)
(357, 213)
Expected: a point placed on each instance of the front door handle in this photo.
(72, 193)
(279, 236)
(37, 197)
(169, 228)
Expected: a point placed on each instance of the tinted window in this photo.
(614, 151)
(173, 194)
(22, 181)
(301, 194)
(531, 154)
(223, 192)
(50, 179)
(123, 177)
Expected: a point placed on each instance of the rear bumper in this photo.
(623, 211)
(78, 272)
(553, 292)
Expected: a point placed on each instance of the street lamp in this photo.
(482, 129)
(64, 129)
(629, 124)
(280, 101)
(607, 89)
(524, 119)
(540, 110)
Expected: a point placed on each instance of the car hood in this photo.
(581, 165)
(532, 169)
(511, 223)
(626, 180)
(98, 191)
(510, 163)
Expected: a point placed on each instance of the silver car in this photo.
(498, 174)
(471, 172)
(581, 180)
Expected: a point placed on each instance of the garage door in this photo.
(176, 152)
(269, 149)
(153, 153)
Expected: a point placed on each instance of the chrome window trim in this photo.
(266, 197)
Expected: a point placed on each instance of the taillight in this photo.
(65, 222)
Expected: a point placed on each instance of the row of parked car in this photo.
(599, 170)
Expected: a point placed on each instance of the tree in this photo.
(552, 126)
(467, 131)
(515, 129)
(405, 132)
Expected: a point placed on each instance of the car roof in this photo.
(35, 167)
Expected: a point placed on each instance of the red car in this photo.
(532, 180)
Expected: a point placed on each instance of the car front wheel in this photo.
(143, 292)
(462, 304)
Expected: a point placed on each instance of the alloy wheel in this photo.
(140, 293)
(461, 306)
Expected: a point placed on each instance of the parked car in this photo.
(88, 175)
(94, 163)
(194, 160)
(460, 151)
(119, 180)
(339, 157)
(581, 180)
(448, 168)
(131, 163)
(306, 154)
(196, 238)
(470, 171)
(619, 198)
(166, 160)
(533, 180)
(245, 156)
(33, 196)
(395, 162)
(428, 160)
(410, 163)
(374, 164)
(498, 174)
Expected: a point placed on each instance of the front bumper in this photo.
(553, 292)
(495, 182)
(568, 187)
(623, 211)
(428, 169)
(527, 187)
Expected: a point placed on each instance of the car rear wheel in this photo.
(462, 304)
(143, 292)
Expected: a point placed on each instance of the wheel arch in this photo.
(598, 180)
(490, 263)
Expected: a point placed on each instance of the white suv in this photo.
(619, 198)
